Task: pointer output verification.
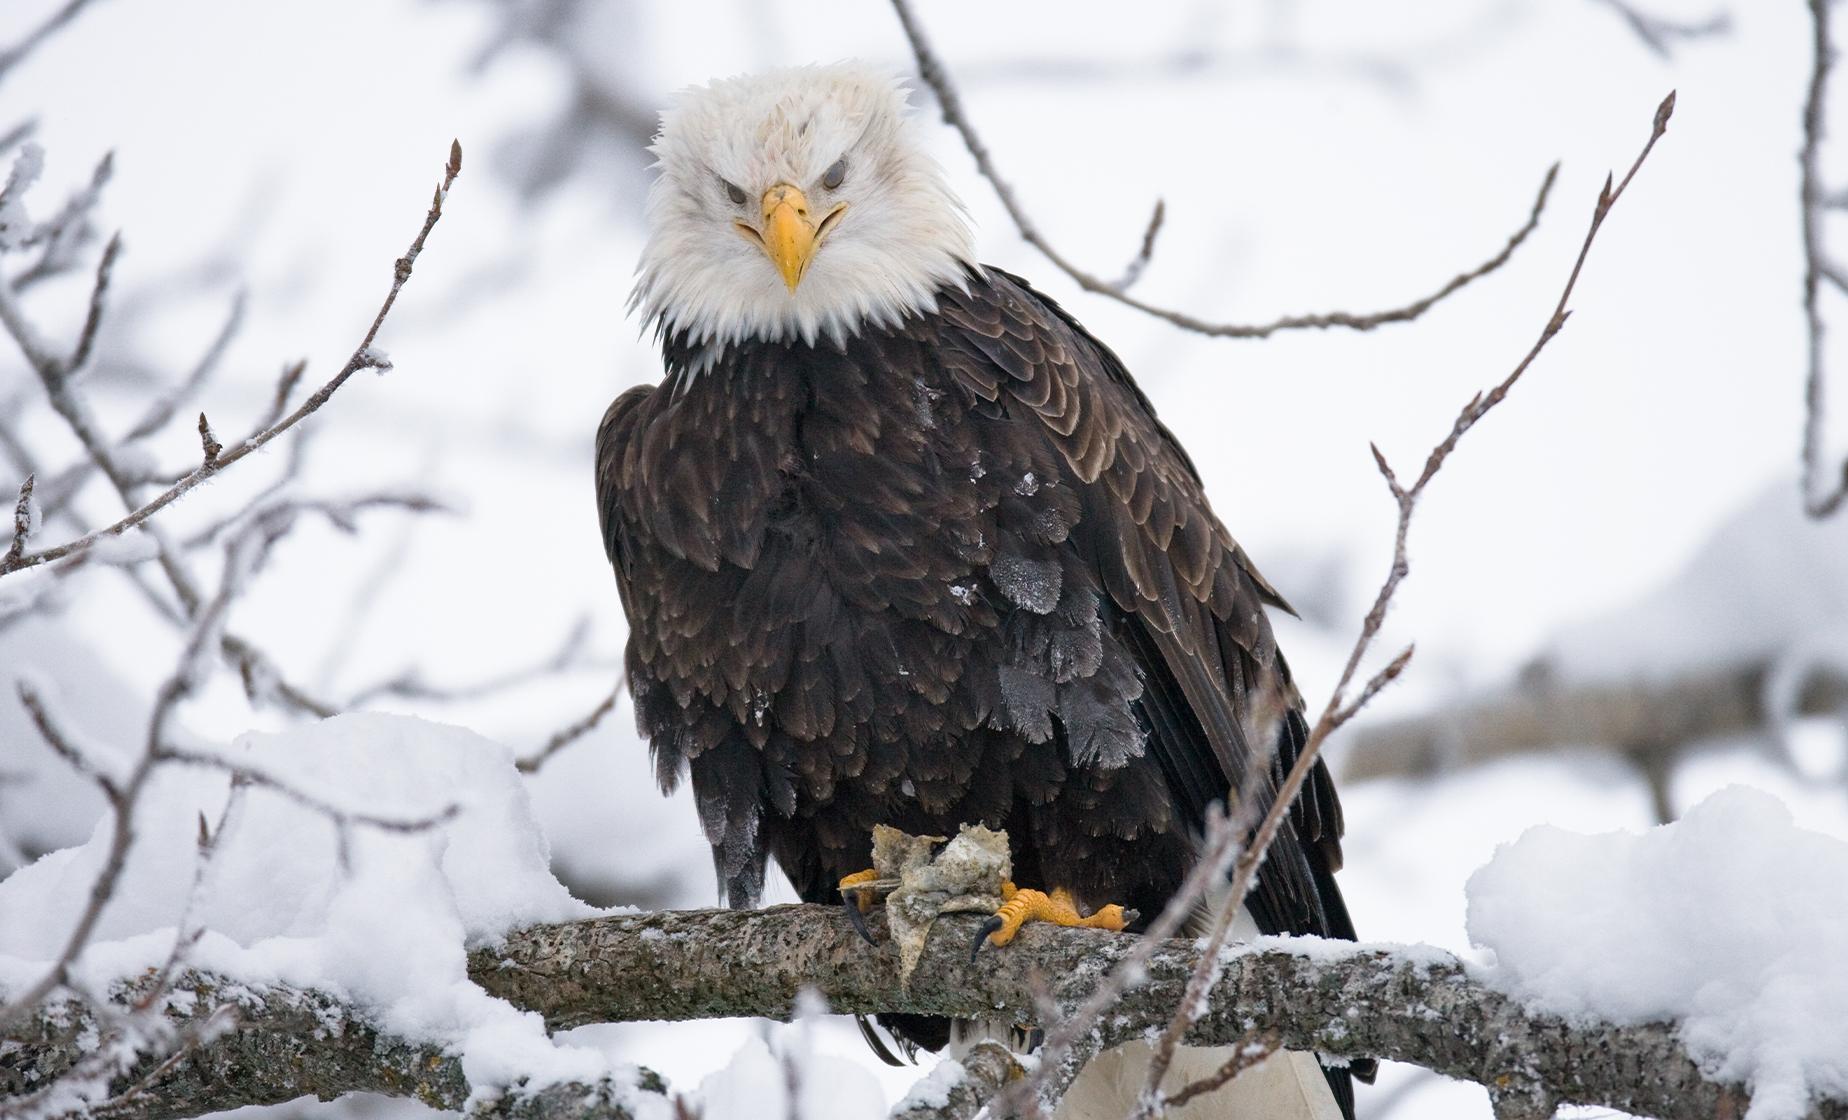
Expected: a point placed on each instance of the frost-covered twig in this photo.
(1822, 495)
(122, 793)
(1339, 708)
(122, 787)
(23, 518)
(931, 70)
(111, 458)
(1248, 1051)
(363, 357)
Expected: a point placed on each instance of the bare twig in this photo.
(1134, 271)
(1253, 1048)
(1221, 851)
(575, 730)
(244, 554)
(1660, 34)
(342, 817)
(1820, 497)
(285, 388)
(18, 52)
(122, 795)
(93, 318)
(411, 684)
(1072, 1041)
(22, 519)
(1339, 710)
(363, 357)
(341, 513)
(164, 407)
(931, 70)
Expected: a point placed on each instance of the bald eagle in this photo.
(901, 543)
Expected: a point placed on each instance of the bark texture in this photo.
(1417, 1005)
(1411, 1004)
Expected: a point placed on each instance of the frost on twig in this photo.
(262, 1045)
(363, 357)
(1239, 847)
(949, 100)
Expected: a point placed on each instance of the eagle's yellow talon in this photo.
(1018, 907)
(852, 886)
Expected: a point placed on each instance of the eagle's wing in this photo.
(1183, 596)
(615, 465)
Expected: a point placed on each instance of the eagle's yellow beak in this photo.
(789, 237)
(789, 234)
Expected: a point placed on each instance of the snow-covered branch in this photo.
(249, 1045)
(1409, 1003)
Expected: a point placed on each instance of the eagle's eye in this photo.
(735, 191)
(832, 177)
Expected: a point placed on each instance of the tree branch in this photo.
(1821, 496)
(363, 357)
(20, 51)
(1660, 34)
(265, 1046)
(1413, 1004)
(1651, 717)
(931, 70)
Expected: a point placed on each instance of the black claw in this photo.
(852, 900)
(981, 936)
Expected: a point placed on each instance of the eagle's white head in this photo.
(795, 204)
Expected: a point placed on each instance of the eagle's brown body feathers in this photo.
(952, 571)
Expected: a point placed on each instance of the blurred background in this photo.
(1617, 601)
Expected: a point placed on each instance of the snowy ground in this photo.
(1374, 157)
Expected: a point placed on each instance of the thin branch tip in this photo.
(208, 442)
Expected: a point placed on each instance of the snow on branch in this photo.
(949, 100)
(247, 1045)
(1408, 1003)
